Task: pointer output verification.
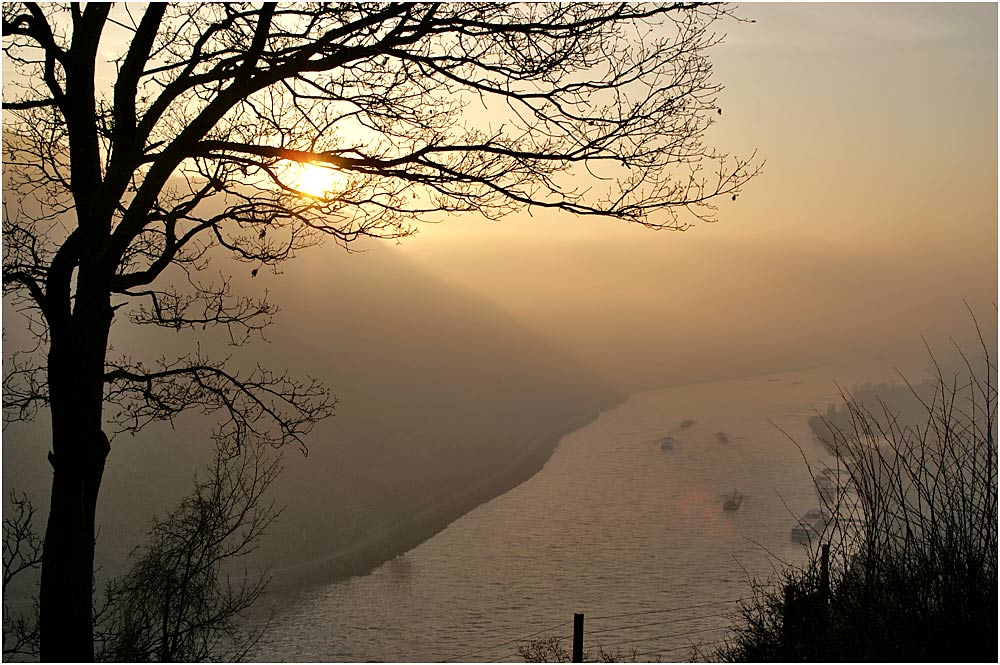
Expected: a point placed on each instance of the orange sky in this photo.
(875, 217)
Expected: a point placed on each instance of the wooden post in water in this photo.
(824, 573)
(578, 637)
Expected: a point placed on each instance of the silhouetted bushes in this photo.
(913, 536)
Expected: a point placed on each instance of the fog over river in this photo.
(613, 524)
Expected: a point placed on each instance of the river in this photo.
(612, 525)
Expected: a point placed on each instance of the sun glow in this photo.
(317, 181)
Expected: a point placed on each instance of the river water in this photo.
(612, 525)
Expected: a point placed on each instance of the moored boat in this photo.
(826, 486)
(810, 526)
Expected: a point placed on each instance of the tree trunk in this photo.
(66, 596)
(79, 449)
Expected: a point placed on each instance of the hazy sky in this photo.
(875, 216)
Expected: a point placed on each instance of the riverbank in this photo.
(404, 531)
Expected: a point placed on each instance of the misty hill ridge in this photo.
(444, 401)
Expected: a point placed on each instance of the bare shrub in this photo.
(554, 650)
(913, 534)
(179, 602)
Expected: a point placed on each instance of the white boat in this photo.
(733, 501)
(810, 526)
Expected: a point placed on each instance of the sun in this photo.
(317, 181)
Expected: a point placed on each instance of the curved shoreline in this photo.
(405, 531)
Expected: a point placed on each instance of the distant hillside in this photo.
(444, 401)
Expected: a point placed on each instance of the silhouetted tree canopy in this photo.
(142, 142)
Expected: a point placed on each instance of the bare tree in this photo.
(124, 178)
(179, 601)
(22, 551)
(182, 597)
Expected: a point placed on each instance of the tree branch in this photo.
(260, 405)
